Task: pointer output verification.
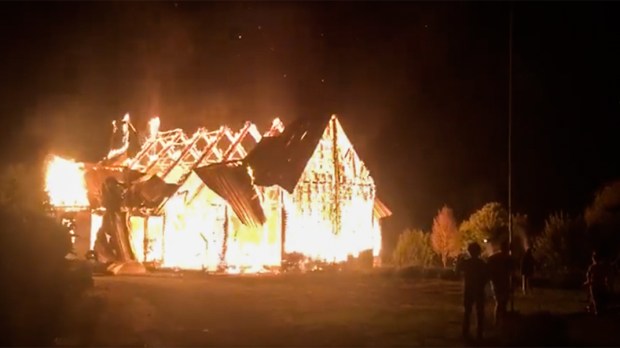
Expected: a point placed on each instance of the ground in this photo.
(329, 309)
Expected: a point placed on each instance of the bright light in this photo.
(65, 184)
(328, 217)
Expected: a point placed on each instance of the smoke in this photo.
(210, 64)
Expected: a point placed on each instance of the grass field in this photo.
(330, 309)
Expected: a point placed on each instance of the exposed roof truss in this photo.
(171, 155)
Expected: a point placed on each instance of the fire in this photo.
(65, 184)
(328, 217)
(154, 124)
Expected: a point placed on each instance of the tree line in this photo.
(563, 245)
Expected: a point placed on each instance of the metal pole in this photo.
(510, 149)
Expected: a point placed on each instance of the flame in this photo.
(330, 219)
(277, 127)
(329, 216)
(326, 220)
(154, 124)
(251, 173)
(324, 243)
(65, 184)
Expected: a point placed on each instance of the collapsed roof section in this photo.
(281, 159)
(232, 182)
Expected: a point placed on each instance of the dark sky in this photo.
(421, 88)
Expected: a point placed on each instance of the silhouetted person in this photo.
(597, 280)
(528, 264)
(501, 268)
(475, 279)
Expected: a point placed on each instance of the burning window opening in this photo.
(212, 202)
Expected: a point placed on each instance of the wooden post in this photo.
(282, 226)
(163, 239)
(145, 239)
(336, 163)
(225, 239)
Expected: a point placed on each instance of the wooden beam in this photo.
(160, 154)
(206, 152)
(236, 143)
(185, 151)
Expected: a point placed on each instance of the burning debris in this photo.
(223, 201)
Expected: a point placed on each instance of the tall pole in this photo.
(512, 303)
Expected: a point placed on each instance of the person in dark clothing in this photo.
(475, 279)
(528, 265)
(597, 281)
(501, 268)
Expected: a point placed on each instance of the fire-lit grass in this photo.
(311, 310)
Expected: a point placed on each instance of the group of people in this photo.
(499, 271)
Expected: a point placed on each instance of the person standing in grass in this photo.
(597, 281)
(527, 270)
(501, 268)
(475, 279)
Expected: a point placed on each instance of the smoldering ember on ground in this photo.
(235, 201)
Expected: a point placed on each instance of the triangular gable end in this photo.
(350, 161)
(355, 166)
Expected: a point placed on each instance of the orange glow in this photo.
(326, 226)
(328, 217)
(65, 184)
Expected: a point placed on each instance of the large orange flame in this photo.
(65, 184)
(329, 217)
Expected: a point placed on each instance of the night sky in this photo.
(421, 88)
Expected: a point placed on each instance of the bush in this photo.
(293, 262)
(36, 277)
(37, 280)
(562, 247)
(414, 249)
(364, 261)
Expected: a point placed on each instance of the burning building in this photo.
(222, 200)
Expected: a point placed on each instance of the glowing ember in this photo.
(277, 127)
(64, 183)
